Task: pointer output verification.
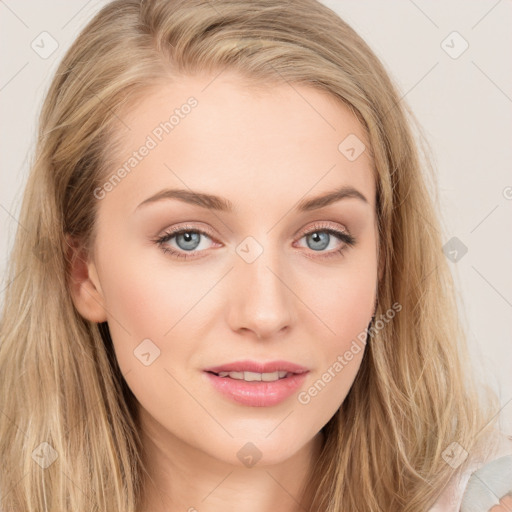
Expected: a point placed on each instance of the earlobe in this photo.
(84, 283)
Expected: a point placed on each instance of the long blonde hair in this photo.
(59, 380)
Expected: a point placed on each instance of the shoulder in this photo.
(488, 485)
(482, 484)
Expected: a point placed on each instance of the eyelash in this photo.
(349, 240)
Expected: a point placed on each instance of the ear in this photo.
(84, 283)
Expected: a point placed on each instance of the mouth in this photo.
(257, 384)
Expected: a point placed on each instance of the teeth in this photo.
(250, 376)
(254, 376)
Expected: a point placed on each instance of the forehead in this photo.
(223, 135)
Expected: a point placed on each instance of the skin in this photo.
(505, 504)
(264, 150)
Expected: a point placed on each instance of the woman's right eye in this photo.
(186, 240)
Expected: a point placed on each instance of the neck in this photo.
(180, 477)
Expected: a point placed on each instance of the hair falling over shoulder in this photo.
(63, 401)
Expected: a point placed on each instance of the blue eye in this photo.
(321, 238)
(187, 240)
(190, 240)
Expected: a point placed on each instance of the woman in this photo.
(237, 295)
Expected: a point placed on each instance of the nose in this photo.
(262, 301)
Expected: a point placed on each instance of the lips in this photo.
(258, 393)
(257, 384)
(258, 367)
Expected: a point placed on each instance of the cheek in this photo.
(345, 301)
(149, 302)
(146, 301)
(352, 304)
(146, 292)
(345, 306)
(347, 310)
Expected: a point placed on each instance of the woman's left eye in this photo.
(188, 240)
(320, 238)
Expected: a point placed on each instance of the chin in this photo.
(261, 449)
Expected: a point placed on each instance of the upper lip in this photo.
(258, 367)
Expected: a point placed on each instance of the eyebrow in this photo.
(213, 202)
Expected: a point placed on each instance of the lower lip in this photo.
(257, 393)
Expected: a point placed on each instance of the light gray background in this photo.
(463, 104)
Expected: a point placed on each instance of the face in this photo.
(260, 279)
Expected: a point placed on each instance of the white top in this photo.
(482, 485)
